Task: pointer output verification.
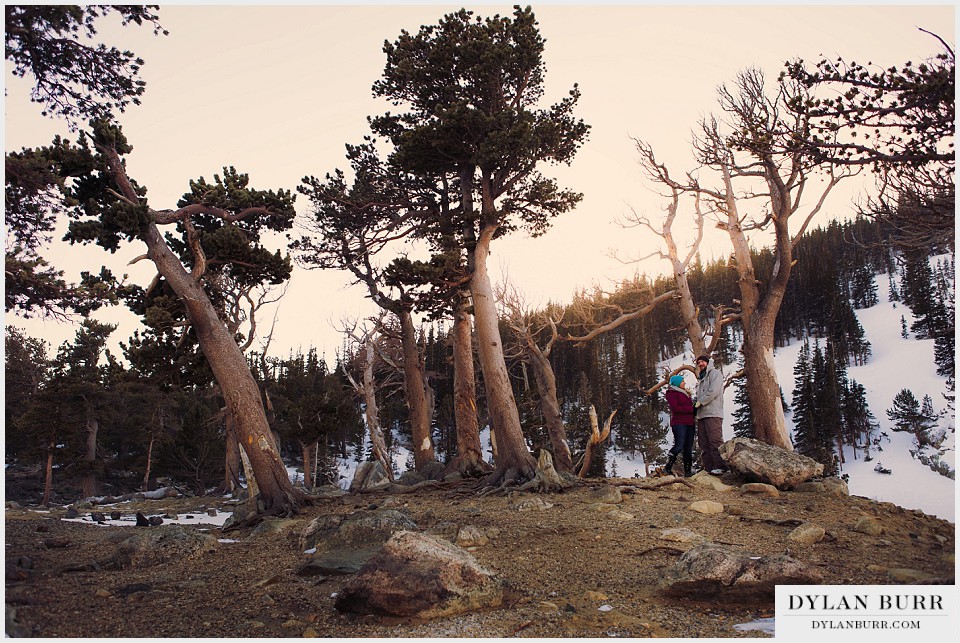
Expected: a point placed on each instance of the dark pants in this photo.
(710, 437)
(683, 442)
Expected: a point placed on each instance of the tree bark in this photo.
(146, 473)
(513, 459)
(240, 390)
(231, 481)
(369, 390)
(469, 461)
(550, 406)
(309, 465)
(88, 484)
(48, 474)
(759, 314)
(278, 496)
(414, 386)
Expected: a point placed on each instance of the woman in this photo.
(683, 424)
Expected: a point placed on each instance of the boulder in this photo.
(421, 576)
(708, 569)
(760, 462)
(363, 530)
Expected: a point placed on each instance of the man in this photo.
(709, 411)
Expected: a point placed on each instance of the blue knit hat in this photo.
(676, 380)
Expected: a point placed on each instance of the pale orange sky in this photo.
(278, 91)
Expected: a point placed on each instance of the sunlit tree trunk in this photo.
(240, 390)
(513, 459)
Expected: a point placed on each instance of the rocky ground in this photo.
(579, 564)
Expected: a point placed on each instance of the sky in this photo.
(277, 91)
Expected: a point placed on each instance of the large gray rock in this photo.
(343, 544)
(709, 570)
(760, 462)
(149, 547)
(418, 575)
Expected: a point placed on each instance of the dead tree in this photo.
(757, 157)
(597, 437)
(521, 321)
(366, 389)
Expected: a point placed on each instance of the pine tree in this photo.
(907, 415)
(920, 295)
(858, 421)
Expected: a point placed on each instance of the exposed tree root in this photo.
(650, 486)
(546, 479)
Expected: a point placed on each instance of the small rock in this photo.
(310, 633)
(72, 513)
(760, 489)
(807, 534)
(97, 516)
(706, 507)
(171, 516)
(592, 595)
(115, 515)
(681, 535)
(869, 526)
(212, 511)
(103, 593)
(836, 486)
(142, 520)
(533, 504)
(606, 494)
(155, 521)
(56, 543)
(621, 516)
(704, 479)
(905, 575)
(470, 536)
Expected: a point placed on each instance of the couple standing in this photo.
(706, 411)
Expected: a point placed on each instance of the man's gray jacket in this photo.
(710, 394)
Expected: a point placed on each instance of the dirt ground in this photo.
(562, 564)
